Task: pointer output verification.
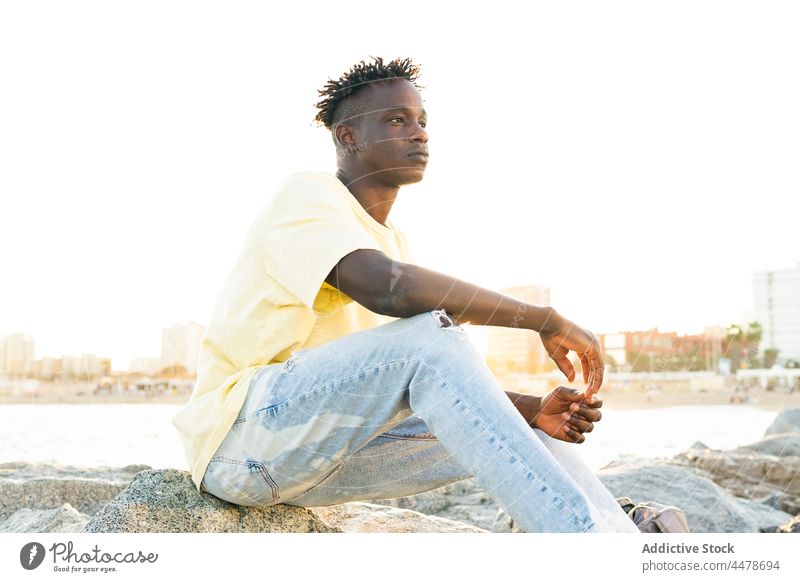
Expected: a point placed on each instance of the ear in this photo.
(345, 138)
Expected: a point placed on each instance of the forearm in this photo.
(528, 406)
(418, 289)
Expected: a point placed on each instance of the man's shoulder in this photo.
(308, 186)
(302, 193)
(308, 178)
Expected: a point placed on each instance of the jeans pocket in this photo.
(242, 482)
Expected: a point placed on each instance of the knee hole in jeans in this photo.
(444, 319)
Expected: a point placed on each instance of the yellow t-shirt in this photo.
(275, 300)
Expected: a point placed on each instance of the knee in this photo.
(437, 334)
(436, 326)
(443, 320)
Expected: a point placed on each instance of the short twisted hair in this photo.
(337, 105)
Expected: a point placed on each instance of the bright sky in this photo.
(639, 158)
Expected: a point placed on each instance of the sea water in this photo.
(121, 434)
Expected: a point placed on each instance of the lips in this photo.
(420, 155)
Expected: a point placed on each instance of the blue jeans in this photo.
(395, 410)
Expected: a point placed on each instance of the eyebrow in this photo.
(404, 109)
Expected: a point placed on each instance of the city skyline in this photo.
(504, 352)
(177, 338)
(180, 343)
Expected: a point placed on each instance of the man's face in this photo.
(391, 143)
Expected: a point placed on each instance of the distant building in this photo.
(16, 356)
(47, 368)
(147, 366)
(86, 367)
(180, 345)
(776, 306)
(511, 350)
(655, 351)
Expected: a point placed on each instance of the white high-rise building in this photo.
(517, 350)
(180, 345)
(776, 297)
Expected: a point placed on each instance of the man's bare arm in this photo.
(400, 289)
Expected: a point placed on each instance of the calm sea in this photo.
(122, 434)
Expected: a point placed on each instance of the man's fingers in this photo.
(596, 403)
(573, 436)
(579, 425)
(566, 368)
(585, 368)
(597, 372)
(587, 413)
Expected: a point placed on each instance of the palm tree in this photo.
(734, 348)
(743, 345)
(754, 334)
(770, 357)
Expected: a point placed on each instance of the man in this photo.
(335, 369)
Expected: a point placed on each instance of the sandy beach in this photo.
(84, 393)
(632, 400)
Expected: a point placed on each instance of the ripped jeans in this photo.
(395, 410)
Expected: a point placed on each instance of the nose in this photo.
(419, 134)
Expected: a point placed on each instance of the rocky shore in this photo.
(748, 489)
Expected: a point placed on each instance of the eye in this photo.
(423, 124)
(396, 117)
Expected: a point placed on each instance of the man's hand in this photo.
(565, 414)
(569, 336)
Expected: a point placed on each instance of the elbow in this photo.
(393, 293)
(394, 304)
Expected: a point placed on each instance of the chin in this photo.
(411, 176)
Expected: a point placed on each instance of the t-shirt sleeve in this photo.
(308, 228)
(406, 250)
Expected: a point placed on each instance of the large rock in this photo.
(463, 501)
(358, 517)
(62, 519)
(168, 501)
(24, 485)
(707, 506)
(787, 420)
(785, 444)
(756, 471)
(50, 498)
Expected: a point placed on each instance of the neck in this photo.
(374, 197)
